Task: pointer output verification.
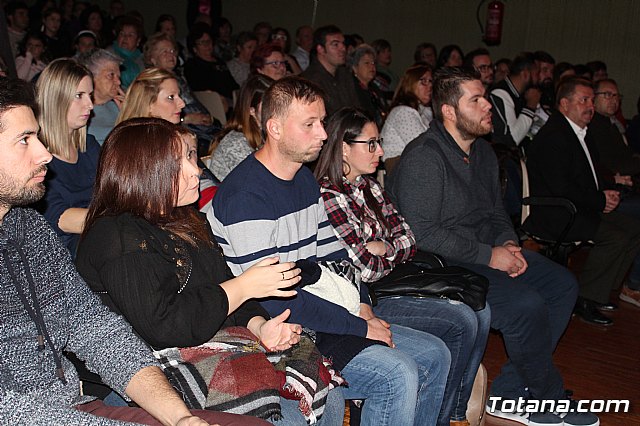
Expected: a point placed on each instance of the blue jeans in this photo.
(462, 330)
(333, 411)
(401, 386)
(531, 311)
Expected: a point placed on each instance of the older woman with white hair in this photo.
(362, 62)
(107, 93)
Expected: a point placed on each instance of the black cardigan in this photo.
(167, 289)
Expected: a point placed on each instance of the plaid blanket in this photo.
(234, 373)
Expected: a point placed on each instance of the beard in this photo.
(13, 194)
(295, 155)
(468, 128)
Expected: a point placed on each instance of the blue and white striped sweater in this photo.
(256, 215)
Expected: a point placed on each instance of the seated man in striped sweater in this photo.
(271, 206)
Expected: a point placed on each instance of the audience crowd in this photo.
(193, 228)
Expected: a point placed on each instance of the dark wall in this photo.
(571, 30)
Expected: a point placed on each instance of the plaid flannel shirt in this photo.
(355, 224)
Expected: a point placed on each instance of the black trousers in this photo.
(617, 242)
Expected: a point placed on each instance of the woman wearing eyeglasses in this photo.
(268, 59)
(281, 37)
(410, 114)
(203, 71)
(378, 239)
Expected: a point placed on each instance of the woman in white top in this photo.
(410, 115)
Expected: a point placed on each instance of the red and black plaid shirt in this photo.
(356, 225)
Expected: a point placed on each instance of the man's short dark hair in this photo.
(567, 86)
(14, 93)
(446, 87)
(596, 66)
(524, 61)
(11, 7)
(468, 59)
(542, 56)
(597, 84)
(278, 98)
(320, 36)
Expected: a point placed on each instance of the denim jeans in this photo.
(403, 385)
(531, 311)
(333, 411)
(462, 330)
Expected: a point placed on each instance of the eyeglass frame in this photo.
(276, 64)
(371, 142)
(610, 95)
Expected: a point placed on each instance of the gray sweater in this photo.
(36, 272)
(451, 201)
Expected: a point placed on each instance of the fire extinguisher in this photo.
(493, 28)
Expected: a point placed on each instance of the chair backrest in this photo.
(213, 102)
(526, 209)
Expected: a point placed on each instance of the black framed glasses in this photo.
(277, 64)
(373, 143)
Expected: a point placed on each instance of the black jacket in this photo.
(558, 167)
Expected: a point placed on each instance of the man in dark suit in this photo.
(561, 164)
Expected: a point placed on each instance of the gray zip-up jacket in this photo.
(45, 308)
(452, 201)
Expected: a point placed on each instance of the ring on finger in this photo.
(282, 275)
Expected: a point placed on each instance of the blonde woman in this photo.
(64, 98)
(154, 93)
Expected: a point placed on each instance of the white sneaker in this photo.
(531, 419)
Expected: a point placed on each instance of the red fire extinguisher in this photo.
(493, 29)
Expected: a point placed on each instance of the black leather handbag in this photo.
(448, 282)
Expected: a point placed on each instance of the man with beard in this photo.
(515, 100)
(270, 205)
(447, 188)
(562, 163)
(545, 64)
(327, 69)
(46, 308)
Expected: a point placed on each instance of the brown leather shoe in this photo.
(459, 423)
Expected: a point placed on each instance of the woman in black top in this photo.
(151, 256)
(203, 71)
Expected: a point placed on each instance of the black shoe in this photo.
(607, 307)
(586, 309)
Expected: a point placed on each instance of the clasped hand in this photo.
(508, 258)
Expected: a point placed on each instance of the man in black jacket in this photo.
(561, 163)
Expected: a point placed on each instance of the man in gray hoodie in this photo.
(446, 186)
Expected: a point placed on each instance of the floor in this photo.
(595, 362)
